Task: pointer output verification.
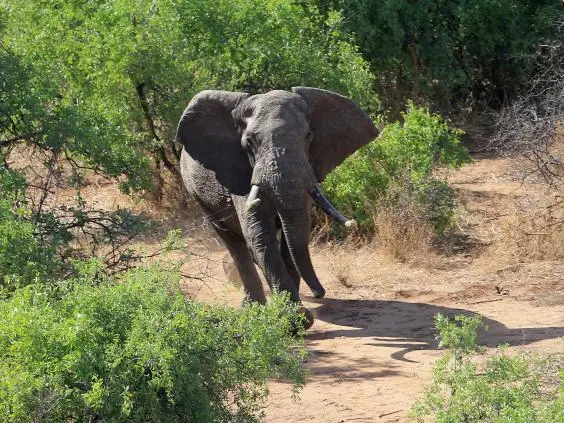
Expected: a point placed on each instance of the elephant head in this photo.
(291, 141)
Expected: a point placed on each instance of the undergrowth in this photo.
(138, 351)
(505, 387)
(389, 187)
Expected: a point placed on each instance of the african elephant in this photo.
(253, 164)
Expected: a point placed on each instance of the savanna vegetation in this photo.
(454, 54)
(505, 387)
(95, 88)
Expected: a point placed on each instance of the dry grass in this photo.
(403, 232)
(341, 264)
(531, 127)
(534, 229)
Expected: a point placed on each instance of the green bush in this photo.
(407, 154)
(138, 351)
(22, 257)
(39, 244)
(505, 388)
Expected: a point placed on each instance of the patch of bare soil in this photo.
(372, 345)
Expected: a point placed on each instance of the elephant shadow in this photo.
(409, 326)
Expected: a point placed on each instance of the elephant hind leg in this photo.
(244, 264)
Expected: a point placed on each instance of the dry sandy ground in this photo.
(372, 345)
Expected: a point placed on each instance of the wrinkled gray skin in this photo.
(283, 142)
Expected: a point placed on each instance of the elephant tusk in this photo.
(328, 208)
(253, 200)
(351, 224)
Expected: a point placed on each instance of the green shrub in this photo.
(405, 153)
(22, 257)
(458, 335)
(505, 388)
(138, 351)
(422, 143)
(39, 244)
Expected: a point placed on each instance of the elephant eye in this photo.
(309, 136)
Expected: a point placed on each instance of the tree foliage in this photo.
(138, 63)
(461, 53)
(98, 86)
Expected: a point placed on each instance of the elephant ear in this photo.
(207, 126)
(339, 125)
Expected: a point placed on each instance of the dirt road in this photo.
(372, 345)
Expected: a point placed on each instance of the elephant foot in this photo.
(317, 293)
(306, 323)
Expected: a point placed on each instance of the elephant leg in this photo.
(263, 244)
(237, 247)
(290, 266)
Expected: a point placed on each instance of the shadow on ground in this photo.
(409, 326)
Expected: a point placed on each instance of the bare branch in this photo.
(533, 126)
(10, 141)
(160, 151)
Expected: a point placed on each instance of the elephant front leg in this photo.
(243, 261)
(260, 233)
(269, 258)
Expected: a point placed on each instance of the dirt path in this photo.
(372, 345)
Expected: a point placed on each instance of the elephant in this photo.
(253, 163)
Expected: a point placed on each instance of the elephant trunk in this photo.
(289, 181)
(296, 227)
(290, 194)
